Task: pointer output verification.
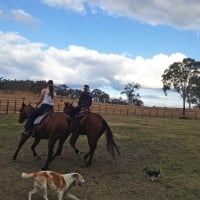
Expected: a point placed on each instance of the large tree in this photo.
(181, 77)
(132, 96)
(100, 96)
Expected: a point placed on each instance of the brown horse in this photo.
(55, 127)
(92, 125)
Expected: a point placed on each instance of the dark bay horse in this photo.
(92, 125)
(57, 126)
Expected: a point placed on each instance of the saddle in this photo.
(40, 118)
(83, 111)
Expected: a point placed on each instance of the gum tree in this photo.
(181, 77)
(132, 96)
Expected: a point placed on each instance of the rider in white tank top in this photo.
(48, 99)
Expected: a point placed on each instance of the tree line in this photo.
(61, 89)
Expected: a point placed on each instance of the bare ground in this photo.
(106, 179)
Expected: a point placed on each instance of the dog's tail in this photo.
(27, 175)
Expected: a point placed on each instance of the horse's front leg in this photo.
(35, 143)
(50, 157)
(21, 142)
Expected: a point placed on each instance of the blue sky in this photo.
(103, 43)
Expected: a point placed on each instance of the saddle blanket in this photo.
(40, 118)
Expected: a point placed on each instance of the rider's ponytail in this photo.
(51, 88)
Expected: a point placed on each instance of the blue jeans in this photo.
(32, 116)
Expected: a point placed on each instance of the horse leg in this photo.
(93, 146)
(50, 157)
(35, 143)
(73, 140)
(60, 147)
(21, 142)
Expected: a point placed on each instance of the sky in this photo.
(103, 43)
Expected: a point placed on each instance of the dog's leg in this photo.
(60, 195)
(44, 193)
(71, 196)
(32, 192)
(152, 178)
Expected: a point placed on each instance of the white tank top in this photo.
(48, 99)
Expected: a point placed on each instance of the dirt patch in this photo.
(105, 179)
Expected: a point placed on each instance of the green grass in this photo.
(172, 145)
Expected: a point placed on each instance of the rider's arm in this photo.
(41, 97)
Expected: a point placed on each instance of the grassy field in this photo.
(172, 145)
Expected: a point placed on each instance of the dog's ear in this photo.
(78, 179)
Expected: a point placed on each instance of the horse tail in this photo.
(111, 145)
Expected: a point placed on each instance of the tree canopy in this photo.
(183, 78)
(132, 96)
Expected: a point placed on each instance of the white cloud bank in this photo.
(177, 13)
(21, 59)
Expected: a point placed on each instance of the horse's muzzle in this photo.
(20, 121)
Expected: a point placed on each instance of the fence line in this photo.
(13, 106)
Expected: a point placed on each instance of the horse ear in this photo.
(23, 104)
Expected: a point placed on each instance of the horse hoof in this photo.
(37, 157)
(80, 153)
(14, 158)
(87, 164)
(43, 169)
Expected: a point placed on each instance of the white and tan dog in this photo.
(61, 183)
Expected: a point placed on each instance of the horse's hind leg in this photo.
(35, 143)
(60, 147)
(21, 142)
(50, 157)
(90, 154)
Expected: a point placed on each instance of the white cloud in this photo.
(18, 15)
(75, 5)
(22, 16)
(178, 13)
(22, 59)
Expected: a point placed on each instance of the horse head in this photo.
(68, 107)
(24, 111)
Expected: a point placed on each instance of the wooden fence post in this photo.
(7, 107)
(15, 106)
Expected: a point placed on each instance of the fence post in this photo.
(7, 107)
(15, 106)
(113, 111)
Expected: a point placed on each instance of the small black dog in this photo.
(152, 173)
